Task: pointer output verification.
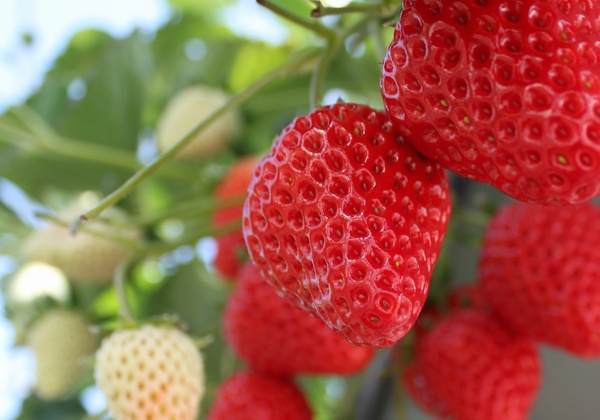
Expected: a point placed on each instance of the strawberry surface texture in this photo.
(504, 92)
(539, 270)
(346, 219)
(151, 372)
(251, 395)
(276, 337)
(470, 367)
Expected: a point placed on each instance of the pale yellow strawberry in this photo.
(62, 342)
(188, 108)
(154, 372)
(83, 257)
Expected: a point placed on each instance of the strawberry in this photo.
(61, 340)
(502, 92)
(150, 372)
(539, 270)
(276, 337)
(251, 395)
(346, 220)
(83, 257)
(469, 367)
(188, 108)
(231, 247)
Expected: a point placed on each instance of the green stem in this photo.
(317, 82)
(47, 140)
(98, 233)
(120, 289)
(316, 27)
(288, 68)
(320, 10)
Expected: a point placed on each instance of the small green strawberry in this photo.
(152, 372)
(187, 109)
(61, 340)
(83, 257)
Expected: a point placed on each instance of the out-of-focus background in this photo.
(105, 36)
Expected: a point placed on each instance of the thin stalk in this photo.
(320, 10)
(47, 140)
(98, 233)
(119, 279)
(317, 82)
(288, 68)
(316, 27)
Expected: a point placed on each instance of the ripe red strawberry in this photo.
(540, 270)
(346, 219)
(231, 247)
(276, 337)
(469, 367)
(250, 395)
(502, 92)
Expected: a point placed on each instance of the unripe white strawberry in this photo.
(188, 108)
(154, 372)
(61, 341)
(83, 257)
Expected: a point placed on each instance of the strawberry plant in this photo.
(344, 175)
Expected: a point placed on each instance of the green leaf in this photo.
(254, 60)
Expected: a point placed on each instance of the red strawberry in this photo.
(502, 92)
(231, 247)
(250, 395)
(468, 295)
(469, 367)
(417, 387)
(276, 337)
(540, 270)
(346, 220)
